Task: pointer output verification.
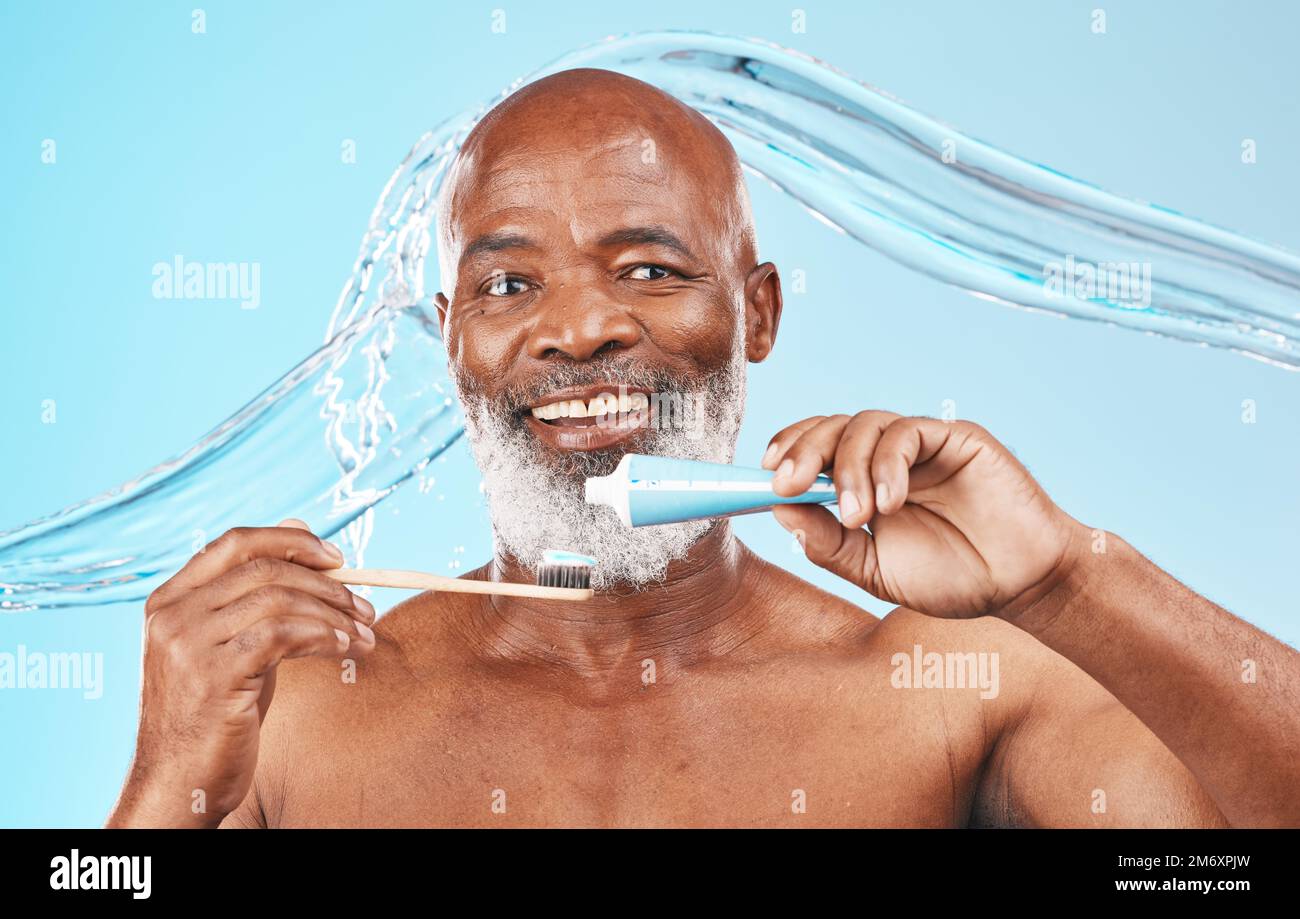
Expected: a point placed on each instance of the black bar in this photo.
(654, 870)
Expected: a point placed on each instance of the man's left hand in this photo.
(958, 527)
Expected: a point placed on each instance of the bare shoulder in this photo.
(409, 645)
(822, 615)
(1008, 664)
(1045, 743)
(996, 668)
(805, 613)
(323, 703)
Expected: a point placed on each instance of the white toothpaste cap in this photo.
(612, 490)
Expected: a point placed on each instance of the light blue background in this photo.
(226, 147)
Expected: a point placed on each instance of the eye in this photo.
(501, 286)
(649, 273)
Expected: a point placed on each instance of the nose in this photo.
(581, 325)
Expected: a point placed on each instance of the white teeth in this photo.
(603, 404)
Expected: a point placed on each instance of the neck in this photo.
(702, 609)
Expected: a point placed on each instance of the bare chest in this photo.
(824, 749)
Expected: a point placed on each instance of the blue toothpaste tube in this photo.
(648, 490)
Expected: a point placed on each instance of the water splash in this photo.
(371, 408)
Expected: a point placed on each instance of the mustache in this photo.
(517, 396)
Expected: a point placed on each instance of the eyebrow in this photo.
(646, 236)
(496, 242)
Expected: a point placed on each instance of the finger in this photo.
(265, 571)
(784, 438)
(242, 544)
(847, 552)
(907, 442)
(812, 452)
(267, 642)
(852, 472)
(273, 600)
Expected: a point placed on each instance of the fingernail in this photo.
(849, 505)
(364, 605)
(366, 633)
(333, 551)
(344, 641)
(769, 455)
(785, 470)
(882, 495)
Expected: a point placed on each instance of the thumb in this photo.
(330, 548)
(847, 552)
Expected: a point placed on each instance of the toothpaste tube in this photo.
(648, 490)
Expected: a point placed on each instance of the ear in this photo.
(762, 311)
(443, 306)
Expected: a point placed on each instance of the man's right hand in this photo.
(214, 635)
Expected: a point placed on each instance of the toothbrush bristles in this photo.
(565, 569)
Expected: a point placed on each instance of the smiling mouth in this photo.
(600, 410)
(593, 418)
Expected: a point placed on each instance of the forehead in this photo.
(588, 179)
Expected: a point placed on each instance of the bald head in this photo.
(581, 125)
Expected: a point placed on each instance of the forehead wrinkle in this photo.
(539, 169)
(669, 188)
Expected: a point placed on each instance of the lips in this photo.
(593, 417)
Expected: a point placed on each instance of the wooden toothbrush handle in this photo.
(419, 580)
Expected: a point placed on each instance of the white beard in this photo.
(535, 505)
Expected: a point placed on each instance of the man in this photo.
(596, 234)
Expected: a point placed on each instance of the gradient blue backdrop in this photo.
(226, 146)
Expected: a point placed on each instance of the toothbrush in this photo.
(560, 576)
